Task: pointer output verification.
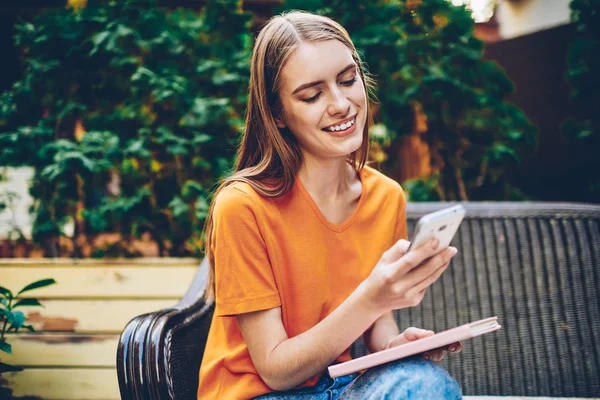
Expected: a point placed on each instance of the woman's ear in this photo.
(279, 122)
(278, 116)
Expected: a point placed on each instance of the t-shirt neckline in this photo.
(330, 225)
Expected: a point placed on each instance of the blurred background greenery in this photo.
(129, 112)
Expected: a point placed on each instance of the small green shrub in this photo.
(11, 321)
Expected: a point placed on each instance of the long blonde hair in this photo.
(268, 158)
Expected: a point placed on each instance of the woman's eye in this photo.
(312, 99)
(315, 97)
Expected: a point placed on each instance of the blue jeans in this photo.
(411, 378)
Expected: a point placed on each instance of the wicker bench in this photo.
(534, 265)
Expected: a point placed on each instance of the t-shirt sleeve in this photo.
(401, 231)
(244, 280)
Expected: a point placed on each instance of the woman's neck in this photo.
(327, 180)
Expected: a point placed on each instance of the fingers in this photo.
(397, 341)
(422, 277)
(455, 347)
(435, 355)
(416, 333)
(414, 258)
(396, 251)
(409, 335)
(430, 280)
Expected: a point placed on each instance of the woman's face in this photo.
(324, 100)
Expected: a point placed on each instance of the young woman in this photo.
(307, 245)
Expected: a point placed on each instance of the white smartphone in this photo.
(441, 224)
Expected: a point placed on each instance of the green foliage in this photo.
(583, 75)
(12, 321)
(422, 189)
(127, 93)
(425, 52)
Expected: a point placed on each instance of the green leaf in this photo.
(28, 303)
(177, 150)
(179, 207)
(5, 292)
(191, 189)
(9, 368)
(142, 73)
(202, 208)
(515, 135)
(221, 78)
(100, 37)
(38, 284)
(17, 319)
(200, 162)
(5, 347)
(500, 151)
(585, 133)
(202, 138)
(136, 148)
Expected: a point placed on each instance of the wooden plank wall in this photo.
(73, 353)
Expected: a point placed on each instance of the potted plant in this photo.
(12, 320)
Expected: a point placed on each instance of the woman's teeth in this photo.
(341, 127)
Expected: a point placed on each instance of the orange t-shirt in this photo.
(283, 252)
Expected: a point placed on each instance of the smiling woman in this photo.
(307, 244)
(333, 100)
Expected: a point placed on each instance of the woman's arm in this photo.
(285, 363)
(399, 280)
(381, 333)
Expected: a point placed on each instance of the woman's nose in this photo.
(339, 103)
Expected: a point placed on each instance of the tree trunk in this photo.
(414, 158)
(50, 245)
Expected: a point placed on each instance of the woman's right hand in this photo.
(400, 278)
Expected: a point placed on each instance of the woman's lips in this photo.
(347, 131)
(343, 133)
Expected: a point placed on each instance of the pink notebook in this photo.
(444, 338)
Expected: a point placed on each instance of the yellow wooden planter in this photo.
(72, 354)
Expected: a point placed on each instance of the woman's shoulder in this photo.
(381, 183)
(236, 197)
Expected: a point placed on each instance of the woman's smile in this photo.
(342, 128)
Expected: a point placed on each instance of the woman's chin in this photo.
(352, 143)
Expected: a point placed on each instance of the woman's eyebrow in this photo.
(310, 84)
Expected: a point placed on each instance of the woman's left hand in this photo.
(412, 334)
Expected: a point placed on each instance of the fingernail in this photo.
(453, 251)
(435, 244)
(452, 348)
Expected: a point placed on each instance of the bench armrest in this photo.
(157, 345)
